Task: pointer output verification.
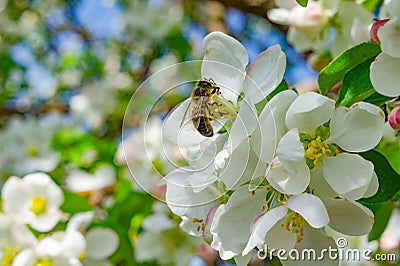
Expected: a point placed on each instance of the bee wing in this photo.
(187, 112)
(199, 103)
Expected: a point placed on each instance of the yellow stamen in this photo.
(316, 150)
(44, 262)
(32, 151)
(83, 255)
(294, 223)
(38, 205)
(9, 254)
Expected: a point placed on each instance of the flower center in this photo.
(44, 262)
(9, 254)
(38, 205)
(32, 151)
(316, 149)
(294, 223)
(83, 255)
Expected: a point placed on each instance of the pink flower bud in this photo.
(374, 30)
(394, 118)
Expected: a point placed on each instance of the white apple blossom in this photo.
(25, 146)
(383, 74)
(309, 26)
(34, 199)
(80, 181)
(319, 138)
(162, 239)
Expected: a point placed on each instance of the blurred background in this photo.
(68, 71)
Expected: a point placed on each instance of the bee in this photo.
(205, 106)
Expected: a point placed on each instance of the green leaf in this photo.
(382, 213)
(74, 203)
(370, 5)
(389, 180)
(303, 3)
(356, 85)
(335, 71)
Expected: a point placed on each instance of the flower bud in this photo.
(394, 118)
(308, 20)
(374, 30)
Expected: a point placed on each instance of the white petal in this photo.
(280, 238)
(183, 201)
(262, 226)
(389, 35)
(264, 74)
(80, 221)
(309, 111)
(224, 61)
(373, 186)
(244, 125)
(149, 246)
(358, 128)
(347, 172)
(290, 148)
(289, 177)
(271, 125)
(384, 75)
(158, 222)
(73, 244)
(234, 219)
(279, 15)
(310, 207)
(350, 218)
(46, 221)
(101, 243)
(243, 260)
(318, 184)
(314, 240)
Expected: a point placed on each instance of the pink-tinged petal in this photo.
(271, 125)
(234, 219)
(264, 74)
(318, 185)
(289, 177)
(385, 76)
(348, 173)
(309, 111)
(389, 35)
(310, 207)
(349, 217)
(314, 240)
(206, 234)
(262, 226)
(225, 61)
(358, 128)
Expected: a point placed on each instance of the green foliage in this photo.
(370, 5)
(389, 180)
(382, 212)
(349, 59)
(74, 203)
(303, 3)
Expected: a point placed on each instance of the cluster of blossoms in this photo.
(279, 176)
(35, 201)
(310, 27)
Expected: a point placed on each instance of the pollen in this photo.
(38, 205)
(32, 151)
(44, 262)
(83, 255)
(9, 254)
(316, 149)
(294, 223)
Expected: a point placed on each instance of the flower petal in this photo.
(350, 218)
(102, 242)
(271, 125)
(262, 226)
(243, 205)
(225, 61)
(318, 184)
(288, 177)
(384, 75)
(373, 186)
(347, 172)
(264, 74)
(358, 128)
(314, 240)
(310, 207)
(389, 35)
(309, 111)
(290, 148)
